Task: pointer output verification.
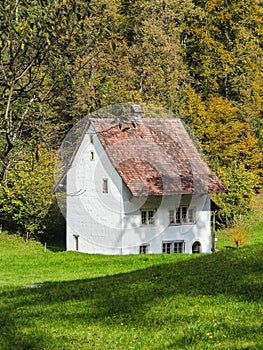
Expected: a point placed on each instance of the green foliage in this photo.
(250, 225)
(35, 51)
(238, 200)
(223, 52)
(60, 60)
(26, 197)
(231, 151)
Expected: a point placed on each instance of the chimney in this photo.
(136, 112)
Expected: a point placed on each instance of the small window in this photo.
(184, 215)
(148, 217)
(167, 247)
(91, 139)
(144, 217)
(178, 216)
(105, 186)
(191, 217)
(178, 247)
(173, 247)
(151, 218)
(144, 249)
(91, 155)
(171, 217)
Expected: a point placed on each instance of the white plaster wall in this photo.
(95, 216)
(135, 234)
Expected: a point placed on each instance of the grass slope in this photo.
(69, 300)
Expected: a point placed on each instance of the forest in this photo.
(63, 59)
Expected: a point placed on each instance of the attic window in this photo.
(91, 139)
(105, 186)
(91, 155)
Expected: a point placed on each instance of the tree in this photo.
(231, 150)
(26, 197)
(224, 99)
(237, 202)
(223, 52)
(35, 52)
(108, 77)
(153, 32)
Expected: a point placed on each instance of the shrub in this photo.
(238, 235)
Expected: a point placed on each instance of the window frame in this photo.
(148, 219)
(183, 215)
(144, 249)
(105, 185)
(173, 247)
(166, 247)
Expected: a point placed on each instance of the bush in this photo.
(27, 196)
(238, 235)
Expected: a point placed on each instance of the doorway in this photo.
(196, 248)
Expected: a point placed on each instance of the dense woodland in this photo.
(60, 60)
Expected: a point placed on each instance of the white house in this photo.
(139, 186)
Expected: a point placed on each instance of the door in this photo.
(196, 248)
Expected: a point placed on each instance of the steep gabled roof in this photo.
(156, 157)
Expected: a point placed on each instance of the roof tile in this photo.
(156, 157)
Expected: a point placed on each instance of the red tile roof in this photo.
(156, 157)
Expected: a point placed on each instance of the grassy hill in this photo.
(68, 300)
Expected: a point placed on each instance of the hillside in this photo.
(69, 300)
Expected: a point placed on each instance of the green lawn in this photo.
(145, 302)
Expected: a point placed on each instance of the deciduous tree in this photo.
(35, 50)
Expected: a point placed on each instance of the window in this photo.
(179, 247)
(148, 217)
(191, 217)
(182, 215)
(151, 218)
(167, 247)
(178, 216)
(91, 156)
(144, 249)
(91, 139)
(171, 217)
(105, 186)
(173, 247)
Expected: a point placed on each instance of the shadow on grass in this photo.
(56, 248)
(30, 317)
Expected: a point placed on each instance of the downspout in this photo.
(121, 217)
(213, 248)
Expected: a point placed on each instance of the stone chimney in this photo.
(136, 112)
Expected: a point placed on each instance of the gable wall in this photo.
(93, 215)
